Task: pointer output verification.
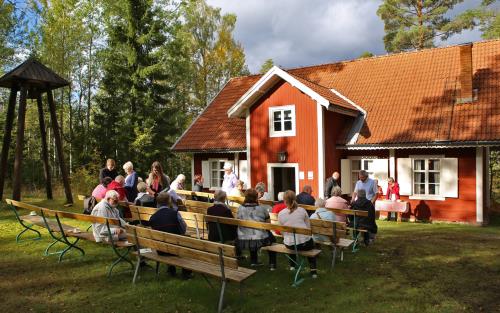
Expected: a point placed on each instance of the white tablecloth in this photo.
(391, 206)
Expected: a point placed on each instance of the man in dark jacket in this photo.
(330, 183)
(368, 222)
(109, 170)
(168, 220)
(220, 209)
(305, 196)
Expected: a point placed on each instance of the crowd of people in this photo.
(159, 191)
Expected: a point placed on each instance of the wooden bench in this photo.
(201, 256)
(337, 233)
(194, 221)
(278, 248)
(201, 207)
(61, 233)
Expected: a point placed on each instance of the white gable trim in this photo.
(358, 123)
(268, 80)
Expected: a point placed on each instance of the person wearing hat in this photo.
(230, 179)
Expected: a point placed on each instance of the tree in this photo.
(266, 66)
(485, 16)
(216, 55)
(365, 54)
(7, 25)
(415, 24)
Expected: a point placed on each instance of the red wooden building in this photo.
(426, 118)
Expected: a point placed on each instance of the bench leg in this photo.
(157, 269)
(47, 253)
(342, 255)
(137, 267)
(26, 228)
(355, 235)
(221, 297)
(334, 256)
(121, 258)
(71, 245)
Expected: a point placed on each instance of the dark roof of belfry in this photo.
(33, 73)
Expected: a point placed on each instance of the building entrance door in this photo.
(283, 179)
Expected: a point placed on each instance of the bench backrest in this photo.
(201, 207)
(191, 194)
(321, 227)
(257, 225)
(183, 246)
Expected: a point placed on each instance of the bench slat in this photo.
(237, 275)
(185, 241)
(182, 251)
(258, 225)
(281, 248)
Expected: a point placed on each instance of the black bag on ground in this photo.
(88, 204)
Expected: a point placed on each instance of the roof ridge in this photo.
(388, 55)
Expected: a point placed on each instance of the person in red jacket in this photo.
(392, 194)
(117, 185)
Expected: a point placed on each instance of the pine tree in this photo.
(415, 24)
(486, 16)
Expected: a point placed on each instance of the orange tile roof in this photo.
(327, 94)
(213, 130)
(409, 98)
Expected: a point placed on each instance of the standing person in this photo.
(109, 170)
(305, 197)
(392, 194)
(368, 185)
(107, 208)
(117, 185)
(331, 182)
(230, 178)
(251, 238)
(178, 183)
(295, 216)
(167, 219)
(362, 203)
(228, 232)
(157, 180)
(131, 181)
(337, 202)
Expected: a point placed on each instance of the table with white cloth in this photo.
(399, 207)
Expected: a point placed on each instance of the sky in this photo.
(298, 33)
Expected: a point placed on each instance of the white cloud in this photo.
(298, 33)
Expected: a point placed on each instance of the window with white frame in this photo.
(426, 176)
(359, 165)
(216, 173)
(282, 121)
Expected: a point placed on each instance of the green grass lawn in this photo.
(410, 268)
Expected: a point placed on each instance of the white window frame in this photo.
(426, 196)
(361, 159)
(282, 133)
(212, 187)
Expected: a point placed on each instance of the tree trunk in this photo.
(45, 153)
(18, 161)
(7, 137)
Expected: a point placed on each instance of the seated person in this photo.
(261, 189)
(305, 196)
(100, 190)
(295, 216)
(278, 206)
(143, 197)
(237, 191)
(178, 183)
(337, 202)
(107, 208)
(251, 238)
(324, 214)
(117, 185)
(220, 209)
(368, 222)
(174, 198)
(167, 219)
